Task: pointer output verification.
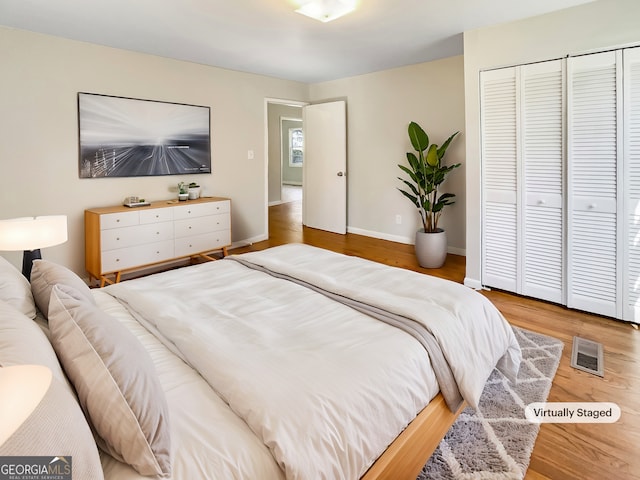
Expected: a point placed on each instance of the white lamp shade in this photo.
(31, 233)
(22, 387)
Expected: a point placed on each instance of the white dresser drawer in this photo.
(121, 259)
(115, 238)
(200, 225)
(116, 220)
(156, 215)
(200, 209)
(202, 243)
(221, 222)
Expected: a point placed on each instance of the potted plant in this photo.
(426, 172)
(194, 191)
(183, 191)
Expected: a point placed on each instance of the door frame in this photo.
(267, 101)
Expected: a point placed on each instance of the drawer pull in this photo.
(592, 206)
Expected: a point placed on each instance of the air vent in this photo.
(587, 356)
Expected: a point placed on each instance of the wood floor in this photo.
(562, 451)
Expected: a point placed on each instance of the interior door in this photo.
(324, 185)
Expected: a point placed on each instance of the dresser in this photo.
(120, 239)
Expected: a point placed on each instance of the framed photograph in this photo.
(128, 137)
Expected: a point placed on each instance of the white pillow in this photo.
(57, 426)
(15, 289)
(115, 379)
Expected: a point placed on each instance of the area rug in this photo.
(496, 441)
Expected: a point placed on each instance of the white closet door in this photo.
(542, 140)
(499, 107)
(631, 175)
(594, 115)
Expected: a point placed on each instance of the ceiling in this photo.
(267, 37)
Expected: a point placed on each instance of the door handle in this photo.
(340, 174)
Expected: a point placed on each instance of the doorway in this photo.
(284, 167)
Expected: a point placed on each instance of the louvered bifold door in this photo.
(631, 185)
(542, 156)
(594, 114)
(499, 106)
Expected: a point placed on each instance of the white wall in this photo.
(594, 26)
(39, 81)
(380, 107)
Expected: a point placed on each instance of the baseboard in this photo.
(399, 239)
(380, 235)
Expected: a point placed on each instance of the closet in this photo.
(561, 181)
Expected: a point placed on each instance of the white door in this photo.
(631, 176)
(522, 173)
(500, 104)
(324, 184)
(594, 115)
(542, 149)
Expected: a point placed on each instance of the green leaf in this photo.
(442, 150)
(432, 156)
(413, 199)
(419, 139)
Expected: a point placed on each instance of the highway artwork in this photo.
(124, 137)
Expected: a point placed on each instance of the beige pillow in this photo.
(15, 289)
(115, 379)
(57, 428)
(44, 275)
(22, 342)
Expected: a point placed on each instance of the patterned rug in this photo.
(496, 442)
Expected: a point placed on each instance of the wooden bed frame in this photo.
(405, 457)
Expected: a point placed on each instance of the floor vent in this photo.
(587, 356)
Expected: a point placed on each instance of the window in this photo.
(296, 144)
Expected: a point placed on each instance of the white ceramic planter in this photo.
(431, 248)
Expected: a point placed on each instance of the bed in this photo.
(289, 363)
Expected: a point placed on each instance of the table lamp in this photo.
(30, 234)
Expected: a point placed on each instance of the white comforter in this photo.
(324, 387)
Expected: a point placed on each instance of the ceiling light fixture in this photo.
(327, 10)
